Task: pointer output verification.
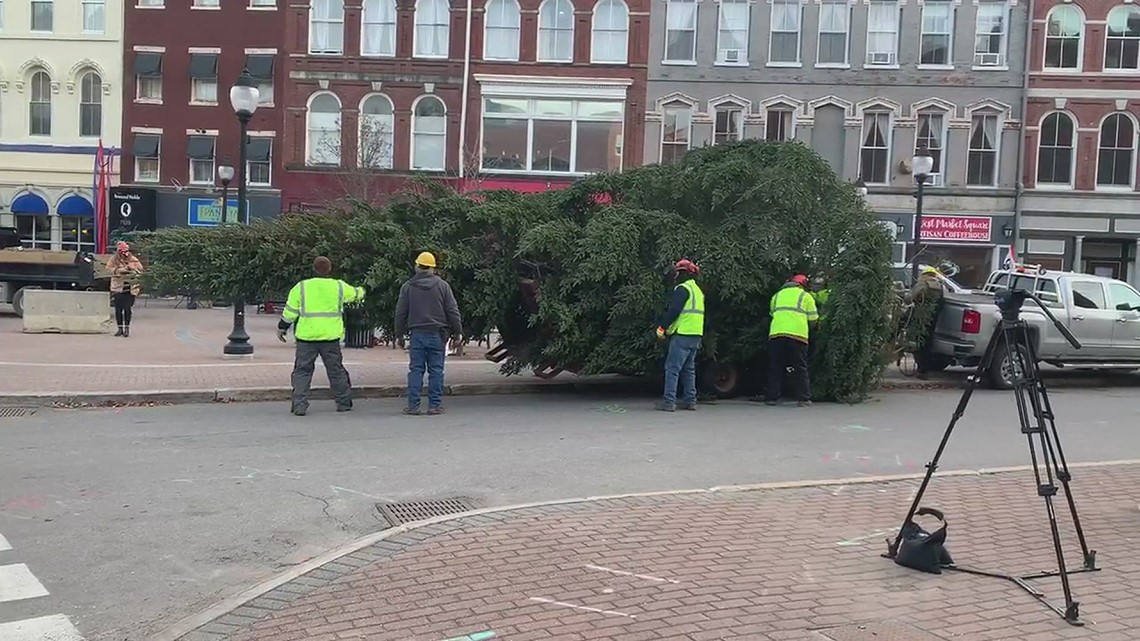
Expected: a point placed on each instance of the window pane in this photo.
(505, 143)
(1088, 295)
(550, 150)
(680, 30)
(601, 110)
(504, 106)
(598, 147)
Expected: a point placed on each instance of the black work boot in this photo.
(126, 331)
(120, 331)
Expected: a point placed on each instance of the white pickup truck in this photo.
(1103, 313)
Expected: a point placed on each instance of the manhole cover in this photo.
(883, 631)
(409, 511)
(16, 412)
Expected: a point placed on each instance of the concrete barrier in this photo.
(66, 312)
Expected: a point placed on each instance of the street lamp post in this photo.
(225, 174)
(922, 164)
(244, 97)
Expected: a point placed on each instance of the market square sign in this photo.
(962, 229)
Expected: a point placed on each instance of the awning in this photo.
(29, 204)
(148, 64)
(145, 146)
(200, 148)
(260, 65)
(203, 65)
(75, 206)
(259, 149)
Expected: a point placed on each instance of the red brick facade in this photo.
(405, 78)
(174, 30)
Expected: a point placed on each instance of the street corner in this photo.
(787, 563)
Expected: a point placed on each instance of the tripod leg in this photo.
(973, 381)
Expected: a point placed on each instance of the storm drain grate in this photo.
(16, 412)
(410, 511)
(881, 631)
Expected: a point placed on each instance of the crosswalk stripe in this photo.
(17, 583)
(52, 628)
(4, 547)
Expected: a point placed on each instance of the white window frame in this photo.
(31, 16)
(847, 13)
(937, 176)
(1132, 159)
(600, 26)
(889, 145)
(368, 19)
(784, 112)
(97, 103)
(329, 25)
(268, 163)
(1083, 33)
(95, 8)
(740, 59)
(213, 163)
(206, 4)
(310, 160)
(49, 102)
(199, 85)
(666, 112)
(534, 115)
(150, 4)
(799, 12)
(996, 151)
(1074, 142)
(425, 18)
(141, 80)
(263, 4)
(883, 59)
(988, 60)
(689, 27)
(948, 34)
(547, 30)
(502, 23)
(728, 107)
(1126, 8)
(139, 178)
(412, 151)
(387, 160)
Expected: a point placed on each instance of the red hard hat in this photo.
(800, 279)
(686, 265)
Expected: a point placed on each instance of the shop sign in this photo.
(207, 212)
(969, 229)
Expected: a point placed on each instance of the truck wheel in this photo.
(18, 301)
(723, 379)
(1002, 370)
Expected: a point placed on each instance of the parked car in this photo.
(1103, 313)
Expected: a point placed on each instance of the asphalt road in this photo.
(134, 518)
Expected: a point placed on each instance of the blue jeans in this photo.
(681, 363)
(427, 350)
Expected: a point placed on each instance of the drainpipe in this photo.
(463, 107)
(1020, 177)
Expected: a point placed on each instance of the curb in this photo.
(201, 619)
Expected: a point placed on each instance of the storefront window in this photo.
(35, 231)
(551, 136)
(78, 233)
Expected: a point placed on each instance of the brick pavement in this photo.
(762, 565)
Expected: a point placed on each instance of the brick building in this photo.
(180, 59)
(1081, 209)
(529, 94)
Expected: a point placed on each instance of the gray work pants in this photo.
(306, 359)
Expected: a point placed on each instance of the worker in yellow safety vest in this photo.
(683, 324)
(314, 310)
(793, 312)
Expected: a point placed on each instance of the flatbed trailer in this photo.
(22, 269)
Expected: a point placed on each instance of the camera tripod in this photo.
(1035, 413)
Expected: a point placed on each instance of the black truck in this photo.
(22, 269)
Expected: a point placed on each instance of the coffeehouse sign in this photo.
(961, 229)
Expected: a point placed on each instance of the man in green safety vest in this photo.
(684, 324)
(793, 312)
(314, 310)
(822, 294)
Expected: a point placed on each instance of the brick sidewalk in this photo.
(766, 565)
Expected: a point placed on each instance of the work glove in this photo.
(281, 335)
(660, 333)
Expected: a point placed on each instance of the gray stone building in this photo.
(862, 83)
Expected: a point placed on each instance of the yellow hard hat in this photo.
(930, 270)
(425, 259)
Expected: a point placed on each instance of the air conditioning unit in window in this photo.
(881, 58)
(731, 56)
(987, 59)
(934, 180)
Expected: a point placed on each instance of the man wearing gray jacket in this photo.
(428, 311)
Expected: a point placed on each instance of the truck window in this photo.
(1047, 292)
(1088, 294)
(1124, 298)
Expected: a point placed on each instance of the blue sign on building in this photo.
(207, 212)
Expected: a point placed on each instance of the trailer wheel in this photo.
(723, 379)
(18, 301)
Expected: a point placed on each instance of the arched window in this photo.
(1122, 42)
(323, 135)
(1055, 150)
(376, 136)
(326, 26)
(1116, 158)
(611, 32)
(556, 31)
(39, 105)
(91, 105)
(429, 134)
(501, 30)
(432, 28)
(1064, 31)
(378, 28)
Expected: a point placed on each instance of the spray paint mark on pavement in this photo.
(858, 540)
(474, 636)
(647, 577)
(583, 608)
